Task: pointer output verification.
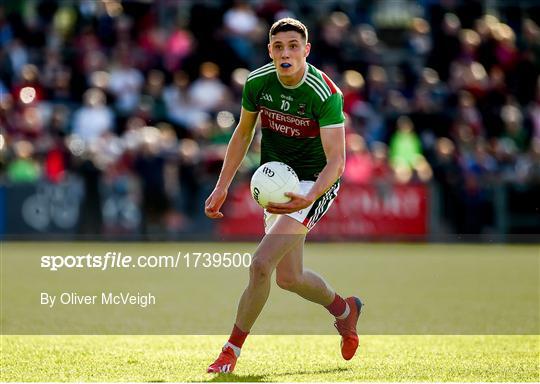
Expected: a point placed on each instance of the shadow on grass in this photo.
(315, 371)
(233, 377)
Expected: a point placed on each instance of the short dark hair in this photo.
(288, 24)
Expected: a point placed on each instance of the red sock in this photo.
(238, 337)
(338, 306)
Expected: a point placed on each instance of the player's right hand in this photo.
(214, 202)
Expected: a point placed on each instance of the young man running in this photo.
(302, 121)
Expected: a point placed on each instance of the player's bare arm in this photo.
(236, 151)
(333, 141)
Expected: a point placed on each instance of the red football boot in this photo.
(347, 328)
(225, 362)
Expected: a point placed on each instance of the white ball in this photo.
(270, 182)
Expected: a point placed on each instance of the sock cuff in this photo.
(338, 306)
(346, 313)
(237, 337)
(236, 349)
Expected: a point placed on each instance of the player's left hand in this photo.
(296, 203)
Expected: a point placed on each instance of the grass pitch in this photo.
(295, 358)
(459, 313)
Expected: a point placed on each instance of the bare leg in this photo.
(291, 275)
(286, 234)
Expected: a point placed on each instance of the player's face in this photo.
(289, 52)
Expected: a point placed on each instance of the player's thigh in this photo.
(284, 236)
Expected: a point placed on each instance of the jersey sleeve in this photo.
(249, 97)
(332, 112)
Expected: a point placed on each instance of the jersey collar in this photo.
(299, 83)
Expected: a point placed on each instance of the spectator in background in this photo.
(363, 48)
(152, 42)
(180, 108)
(6, 32)
(208, 93)
(88, 167)
(396, 104)
(479, 162)
(189, 176)
(486, 50)
(331, 43)
(149, 164)
(505, 154)
(529, 164)
(381, 168)
(29, 123)
(513, 126)
(55, 77)
(405, 148)
(178, 46)
(7, 113)
(479, 168)
(430, 82)
(272, 10)
(353, 86)
(90, 54)
(152, 95)
(28, 90)
(447, 173)
(241, 29)
(506, 52)
(492, 101)
(445, 45)
(534, 112)
(419, 43)
(365, 119)
(469, 41)
(531, 39)
(359, 166)
(56, 157)
(17, 54)
(377, 86)
(125, 82)
(94, 118)
(24, 168)
(429, 122)
(469, 114)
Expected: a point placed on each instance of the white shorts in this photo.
(308, 216)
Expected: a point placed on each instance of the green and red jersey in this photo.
(292, 116)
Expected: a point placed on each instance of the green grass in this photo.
(271, 358)
(486, 296)
(408, 289)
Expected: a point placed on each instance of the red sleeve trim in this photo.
(329, 82)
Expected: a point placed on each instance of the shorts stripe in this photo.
(318, 210)
(321, 206)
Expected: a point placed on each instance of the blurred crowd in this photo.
(139, 98)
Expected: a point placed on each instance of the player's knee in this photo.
(260, 269)
(287, 282)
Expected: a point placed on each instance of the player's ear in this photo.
(270, 51)
(307, 50)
